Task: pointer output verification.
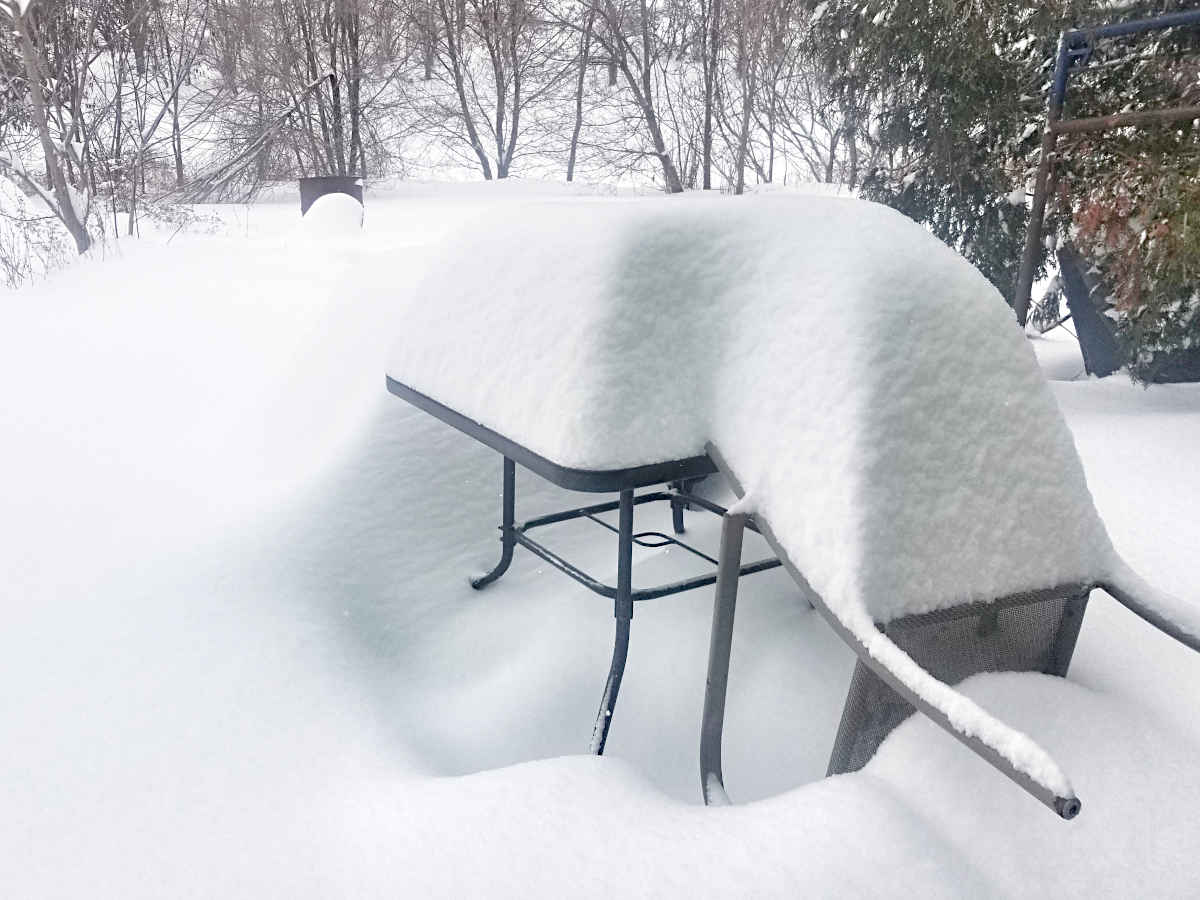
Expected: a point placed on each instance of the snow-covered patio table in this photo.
(677, 475)
(811, 349)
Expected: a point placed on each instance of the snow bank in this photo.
(207, 374)
(865, 383)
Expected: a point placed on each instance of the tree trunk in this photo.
(177, 141)
(352, 65)
(746, 67)
(499, 76)
(670, 173)
(710, 69)
(136, 15)
(460, 89)
(612, 56)
(514, 66)
(851, 133)
(585, 46)
(62, 192)
(428, 38)
(743, 140)
(771, 114)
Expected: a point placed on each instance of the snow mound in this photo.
(865, 383)
(332, 216)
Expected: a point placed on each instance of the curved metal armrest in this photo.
(1132, 592)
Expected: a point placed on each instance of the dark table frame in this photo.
(678, 475)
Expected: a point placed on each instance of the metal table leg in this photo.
(507, 534)
(623, 611)
(712, 780)
(678, 504)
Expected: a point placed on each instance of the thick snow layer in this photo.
(240, 658)
(865, 383)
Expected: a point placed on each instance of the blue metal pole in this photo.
(1136, 26)
(1069, 45)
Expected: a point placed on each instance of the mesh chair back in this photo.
(1028, 632)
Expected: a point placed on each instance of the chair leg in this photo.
(870, 712)
(507, 535)
(712, 779)
(623, 612)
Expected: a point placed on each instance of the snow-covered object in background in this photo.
(817, 341)
(332, 216)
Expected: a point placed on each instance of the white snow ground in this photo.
(240, 657)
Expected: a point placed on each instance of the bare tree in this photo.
(141, 101)
(54, 109)
(748, 31)
(500, 63)
(631, 39)
(711, 31)
(585, 43)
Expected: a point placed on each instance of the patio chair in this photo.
(1030, 631)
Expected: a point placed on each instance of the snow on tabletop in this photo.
(866, 384)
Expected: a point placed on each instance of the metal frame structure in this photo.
(1074, 51)
(724, 606)
(1074, 598)
(711, 773)
(678, 475)
(725, 603)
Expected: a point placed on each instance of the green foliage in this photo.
(1143, 235)
(953, 89)
(955, 92)
(1047, 310)
(1130, 200)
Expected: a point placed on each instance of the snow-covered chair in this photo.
(864, 386)
(906, 664)
(1031, 631)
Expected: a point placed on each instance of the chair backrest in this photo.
(1028, 632)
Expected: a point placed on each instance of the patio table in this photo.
(676, 476)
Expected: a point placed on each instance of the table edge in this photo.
(589, 480)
